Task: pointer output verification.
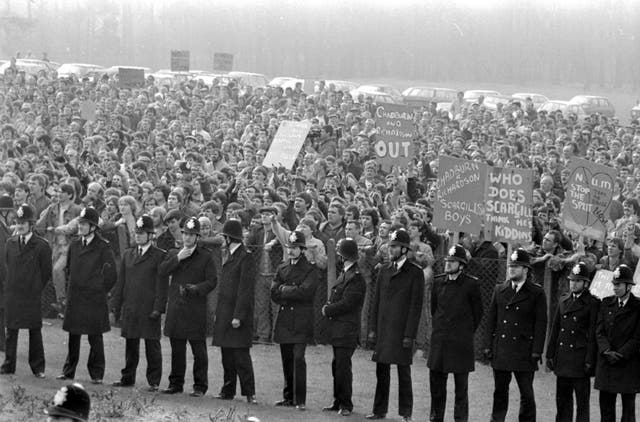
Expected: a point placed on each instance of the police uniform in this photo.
(572, 349)
(294, 289)
(516, 329)
(456, 307)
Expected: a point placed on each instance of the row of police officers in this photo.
(587, 337)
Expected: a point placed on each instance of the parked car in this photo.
(538, 99)
(344, 86)
(285, 82)
(472, 95)
(379, 97)
(592, 104)
(422, 96)
(255, 80)
(491, 101)
(380, 89)
(79, 70)
(29, 66)
(210, 78)
(552, 106)
(113, 70)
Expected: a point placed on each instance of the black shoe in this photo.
(63, 377)
(223, 397)
(122, 384)
(96, 381)
(197, 393)
(376, 416)
(39, 375)
(4, 371)
(153, 388)
(332, 408)
(252, 400)
(285, 403)
(301, 407)
(172, 390)
(344, 412)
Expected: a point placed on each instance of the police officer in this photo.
(456, 307)
(395, 315)
(28, 263)
(140, 298)
(233, 327)
(618, 338)
(571, 351)
(7, 211)
(293, 289)
(193, 276)
(516, 329)
(92, 274)
(343, 314)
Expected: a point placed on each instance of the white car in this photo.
(552, 106)
(472, 95)
(285, 82)
(538, 99)
(378, 89)
(255, 80)
(29, 66)
(344, 86)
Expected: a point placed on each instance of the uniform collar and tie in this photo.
(143, 249)
(86, 240)
(24, 239)
(516, 286)
(347, 266)
(623, 302)
(396, 265)
(228, 252)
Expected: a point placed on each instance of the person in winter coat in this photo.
(456, 307)
(516, 330)
(572, 348)
(28, 270)
(343, 314)
(618, 338)
(193, 276)
(92, 274)
(233, 327)
(293, 289)
(139, 300)
(395, 315)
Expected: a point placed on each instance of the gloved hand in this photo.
(407, 343)
(191, 290)
(551, 364)
(488, 355)
(154, 315)
(612, 357)
(536, 358)
(371, 339)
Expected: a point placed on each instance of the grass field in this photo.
(23, 397)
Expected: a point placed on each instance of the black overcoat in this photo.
(344, 307)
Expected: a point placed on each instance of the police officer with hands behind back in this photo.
(571, 351)
(456, 306)
(343, 314)
(516, 329)
(618, 338)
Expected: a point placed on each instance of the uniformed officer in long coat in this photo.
(342, 312)
(516, 330)
(395, 314)
(294, 288)
(193, 276)
(92, 274)
(456, 307)
(572, 350)
(618, 338)
(7, 211)
(233, 327)
(140, 298)
(28, 270)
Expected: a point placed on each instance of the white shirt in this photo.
(349, 265)
(234, 248)
(26, 237)
(517, 285)
(399, 263)
(86, 240)
(143, 249)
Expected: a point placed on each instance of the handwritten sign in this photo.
(130, 78)
(223, 62)
(395, 135)
(287, 144)
(602, 285)
(88, 110)
(460, 203)
(509, 205)
(180, 60)
(588, 198)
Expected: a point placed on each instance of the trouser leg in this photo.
(200, 365)
(229, 374)
(607, 406)
(628, 407)
(286, 354)
(582, 389)
(178, 362)
(500, 395)
(461, 404)
(527, 398)
(96, 362)
(438, 388)
(405, 393)
(153, 353)
(343, 377)
(244, 369)
(73, 355)
(131, 360)
(11, 351)
(381, 398)
(299, 374)
(36, 351)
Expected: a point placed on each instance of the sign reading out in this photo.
(130, 78)
(509, 205)
(180, 60)
(588, 198)
(394, 144)
(287, 144)
(460, 204)
(223, 62)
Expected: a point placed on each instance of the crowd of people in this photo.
(157, 203)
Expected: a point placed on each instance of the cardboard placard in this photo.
(509, 203)
(130, 78)
(88, 110)
(460, 203)
(394, 141)
(601, 286)
(223, 62)
(287, 144)
(588, 198)
(180, 60)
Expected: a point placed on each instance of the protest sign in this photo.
(287, 144)
(601, 286)
(588, 197)
(460, 203)
(395, 135)
(88, 110)
(130, 78)
(509, 205)
(180, 60)
(223, 62)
